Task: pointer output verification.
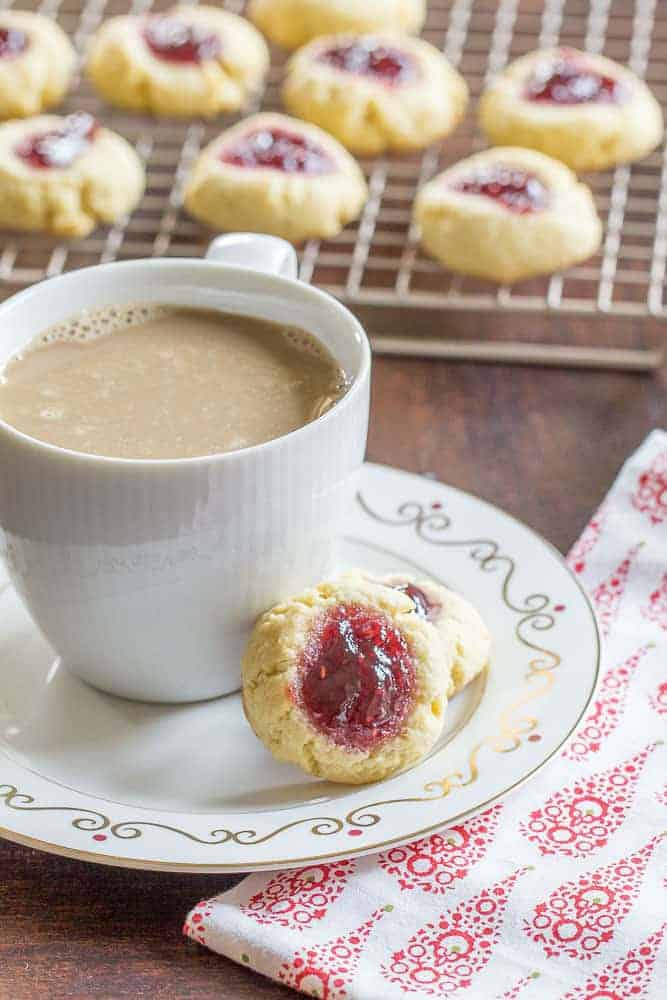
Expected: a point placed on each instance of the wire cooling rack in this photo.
(376, 266)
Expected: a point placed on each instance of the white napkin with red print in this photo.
(534, 898)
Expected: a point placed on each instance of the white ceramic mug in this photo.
(146, 575)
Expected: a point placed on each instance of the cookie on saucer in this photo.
(65, 175)
(507, 214)
(291, 23)
(274, 174)
(36, 63)
(346, 681)
(460, 626)
(581, 108)
(376, 93)
(188, 61)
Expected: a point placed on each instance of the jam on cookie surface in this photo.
(13, 42)
(515, 189)
(60, 147)
(278, 149)
(385, 63)
(570, 80)
(423, 606)
(356, 677)
(176, 41)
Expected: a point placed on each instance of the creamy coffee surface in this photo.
(146, 381)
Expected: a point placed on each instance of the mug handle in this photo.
(255, 252)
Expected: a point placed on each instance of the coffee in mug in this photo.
(151, 381)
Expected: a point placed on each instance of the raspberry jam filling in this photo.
(388, 64)
(176, 41)
(515, 189)
(356, 677)
(61, 147)
(13, 42)
(279, 150)
(423, 606)
(569, 80)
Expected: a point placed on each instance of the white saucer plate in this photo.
(189, 788)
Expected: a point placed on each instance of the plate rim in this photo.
(193, 868)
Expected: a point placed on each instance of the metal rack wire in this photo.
(376, 265)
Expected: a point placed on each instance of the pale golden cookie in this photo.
(36, 63)
(346, 681)
(274, 174)
(460, 626)
(189, 61)
(376, 92)
(581, 108)
(290, 23)
(507, 214)
(65, 175)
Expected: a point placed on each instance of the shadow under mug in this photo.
(146, 575)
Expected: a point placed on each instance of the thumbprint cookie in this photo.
(507, 214)
(274, 174)
(291, 23)
(65, 175)
(581, 108)
(346, 681)
(376, 93)
(187, 61)
(36, 63)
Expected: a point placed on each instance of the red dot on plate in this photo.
(354, 833)
(559, 607)
(99, 836)
(436, 506)
(534, 737)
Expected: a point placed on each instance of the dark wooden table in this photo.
(543, 444)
